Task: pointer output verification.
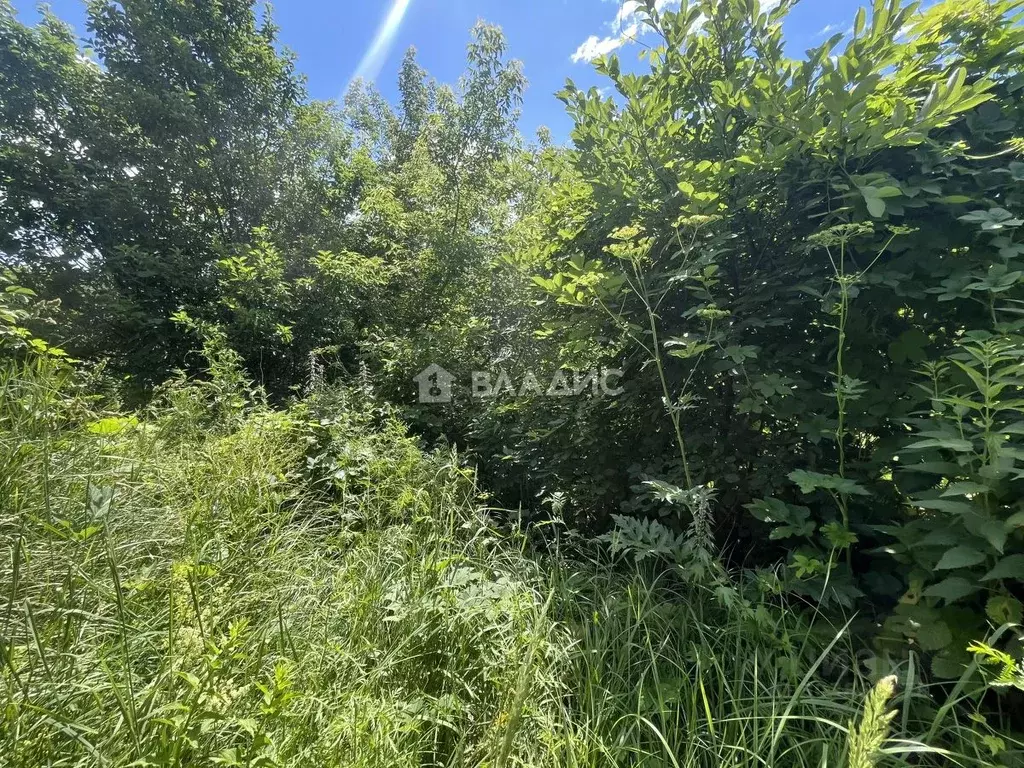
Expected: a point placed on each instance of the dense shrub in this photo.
(821, 259)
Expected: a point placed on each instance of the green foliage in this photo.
(962, 471)
(19, 308)
(128, 186)
(810, 272)
(1008, 672)
(745, 233)
(307, 586)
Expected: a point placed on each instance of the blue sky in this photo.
(333, 38)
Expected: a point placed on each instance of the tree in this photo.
(133, 181)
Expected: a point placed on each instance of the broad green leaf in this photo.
(1011, 567)
(1004, 609)
(99, 498)
(952, 589)
(947, 537)
(988, 528)
(934, 636)
(948, 443)
(689, 350)
(960, 557)
(946, 505)
(947, 667)
(941, 468)
(812, 481)
(112, 425)
(876, 206)
(838, 536)
(965, 488)
(793, 520)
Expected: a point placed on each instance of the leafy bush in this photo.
(811, 272)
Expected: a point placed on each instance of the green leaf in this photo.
(949, 443)
(793, 520)
(1011, 567)
(941, 468)
(965, 488)
(876, 206)
(802, 530)
(1004, 609)
(988, 528)
(812, 481)
(688, 350)
(934, 636)
(772, 510)
(947, 667)
(952, 589)
(99, 498)
(858, 23)
(946, 505)
(992, 219)
(112, 425)
(838, 536)
(87, 533)
(960, 557)
(940, 538)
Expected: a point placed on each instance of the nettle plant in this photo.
(964, 543)
(19, 307)
(962, 470)
(823, 565)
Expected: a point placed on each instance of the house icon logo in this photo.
(435, 384)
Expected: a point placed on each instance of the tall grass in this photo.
(215, 582)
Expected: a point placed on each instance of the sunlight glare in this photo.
(373, 59)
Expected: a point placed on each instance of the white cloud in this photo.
(625, 15)
(626, 27)
(830, 29)
(595, 46)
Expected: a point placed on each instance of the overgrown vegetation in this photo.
(214, 581)
(232, 536)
